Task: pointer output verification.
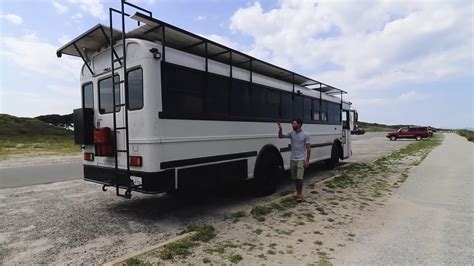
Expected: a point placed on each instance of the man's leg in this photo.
(299, 179)
(294, 172)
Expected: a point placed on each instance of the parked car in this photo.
(358, 131)
(417, 133)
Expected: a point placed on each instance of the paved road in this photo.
(48, 172)
(430, 220)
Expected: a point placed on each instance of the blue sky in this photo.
(402, 62)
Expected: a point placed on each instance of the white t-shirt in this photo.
(298, 144)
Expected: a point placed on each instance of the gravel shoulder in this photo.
(74, 222)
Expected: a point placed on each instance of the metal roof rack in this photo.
(180, 39)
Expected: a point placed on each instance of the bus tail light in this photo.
(88, 156)
(136, 161)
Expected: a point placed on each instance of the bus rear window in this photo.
(106, 100)
(88, 96)
(135, 89)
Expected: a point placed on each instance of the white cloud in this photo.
(77, 17)
(60, 9)
(200, 18)
(12, 18)
(93, 7)
(39, 57)
(374, 44)
(410, 96)
(46, 84)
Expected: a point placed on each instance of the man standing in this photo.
(300, 154)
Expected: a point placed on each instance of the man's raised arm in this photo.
(280, 134)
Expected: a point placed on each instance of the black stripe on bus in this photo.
(209, 159)
(286, 149)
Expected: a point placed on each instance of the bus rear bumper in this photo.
(152, 182)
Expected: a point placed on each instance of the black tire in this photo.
(418, 138)
(268, 172)
(334, 161)
(392, 138)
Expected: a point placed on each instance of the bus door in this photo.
(347, 124)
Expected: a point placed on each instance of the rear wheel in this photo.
(268, 172)
(392, 138)
(334, 161)
(418, 138)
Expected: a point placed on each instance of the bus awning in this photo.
(89, 42)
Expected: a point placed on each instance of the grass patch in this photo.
(468, 134)
(179, 248)
(136, 262)
(203, 233)
(37, 146)
(235, 258)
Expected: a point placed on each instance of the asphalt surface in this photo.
(430, 219)
(40, 171)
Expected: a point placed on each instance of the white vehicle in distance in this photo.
(165, 109)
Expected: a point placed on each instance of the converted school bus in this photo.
(165, 109)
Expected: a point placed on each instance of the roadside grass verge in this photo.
(183, 247)
(277, 232)
(469, 135)
(37, 146)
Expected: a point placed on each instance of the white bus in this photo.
(172, 110)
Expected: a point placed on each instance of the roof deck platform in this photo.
(171, 36)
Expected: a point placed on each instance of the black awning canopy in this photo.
(89, 42)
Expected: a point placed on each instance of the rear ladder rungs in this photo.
(122, 151)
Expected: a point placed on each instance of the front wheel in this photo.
(392, 138)
(334, 161)
(418, 138)
(268, 172)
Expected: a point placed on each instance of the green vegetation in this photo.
(260, 211)
(235, 258)
(27, 136)
(352, 175)
(136, 262)
(182, 248)
(468, 134)
(374, 127)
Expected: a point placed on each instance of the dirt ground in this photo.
(74, 222)
(283, 232)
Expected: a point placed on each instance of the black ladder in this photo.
(123, 63)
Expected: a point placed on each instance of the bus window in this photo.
(106, 100)
(324, 111)
(135, 89)
(217, 95)
(286, 105)
(88, 95)
(240, 98)
(316, 110)
(307, 110)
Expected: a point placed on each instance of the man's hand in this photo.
(306, 164)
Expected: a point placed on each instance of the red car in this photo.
(417, 133)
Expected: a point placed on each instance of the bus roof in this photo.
(180, 39)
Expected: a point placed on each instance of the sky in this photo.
(401, 62)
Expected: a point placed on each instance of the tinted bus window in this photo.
(88, 96)
(240, 98)
(106, 100)
(135, 89)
